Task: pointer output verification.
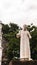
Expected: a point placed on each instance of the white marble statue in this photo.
(24, 43)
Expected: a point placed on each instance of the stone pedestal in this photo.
(17, 62)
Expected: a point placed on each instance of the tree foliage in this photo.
(13, 46)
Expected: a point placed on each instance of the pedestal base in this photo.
(17, 62)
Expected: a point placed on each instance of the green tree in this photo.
(9, 34)
(13, 46)
(33, 44)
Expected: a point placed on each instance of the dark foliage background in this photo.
(13, 45)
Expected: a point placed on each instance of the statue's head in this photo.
(24, 27)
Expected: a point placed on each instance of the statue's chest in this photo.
(24, 33)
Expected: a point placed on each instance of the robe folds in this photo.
(24, 44)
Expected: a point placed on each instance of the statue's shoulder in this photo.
(28, 32)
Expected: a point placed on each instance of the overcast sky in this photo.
(18, 11)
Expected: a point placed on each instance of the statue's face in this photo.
(24, 27)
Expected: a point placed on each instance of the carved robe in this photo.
(24, 44)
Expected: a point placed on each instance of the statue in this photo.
(24, 43)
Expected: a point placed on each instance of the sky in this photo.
(18, 11)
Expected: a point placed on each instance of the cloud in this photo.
(18, 11)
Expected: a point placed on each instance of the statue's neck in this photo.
(24, 29)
